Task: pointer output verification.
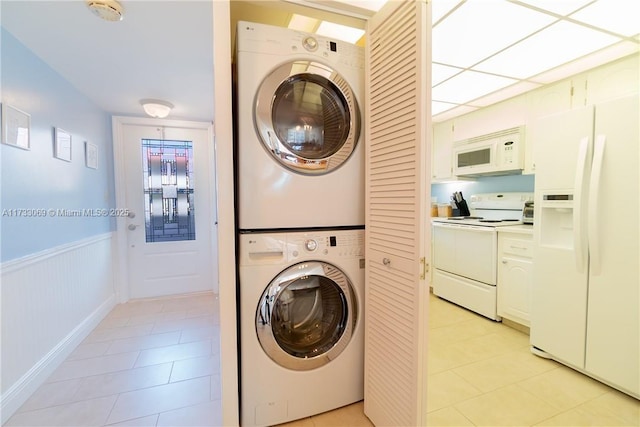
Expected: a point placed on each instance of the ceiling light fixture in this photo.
(156, 108)
(109, 10)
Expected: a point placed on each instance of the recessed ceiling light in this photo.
(109, 10)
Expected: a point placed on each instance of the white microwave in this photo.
(498, 153)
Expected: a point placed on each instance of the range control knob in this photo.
(310, 44)
(311, 245)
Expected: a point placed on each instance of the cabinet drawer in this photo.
(523, 248)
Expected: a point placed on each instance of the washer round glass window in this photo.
(306, 320)
(308, 121)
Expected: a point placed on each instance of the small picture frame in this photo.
(62, 146)
(16, 127)
(91, 155)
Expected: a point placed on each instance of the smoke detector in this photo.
(109, 10)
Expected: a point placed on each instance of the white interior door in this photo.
(398, 118)
(167, 188)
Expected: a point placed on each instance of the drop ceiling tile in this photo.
(439, 107)
(619, 16)
(603, 56)
(506, 93)
(441, 7)
(478, 29)
(558, 44)
(454, 112)
(563, 7)
(441, 72)
(468, 86)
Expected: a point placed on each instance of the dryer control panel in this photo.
(284, 248)
(337, 243)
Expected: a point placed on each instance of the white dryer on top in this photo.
(299, 143)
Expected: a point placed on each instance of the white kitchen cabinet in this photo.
(616, 80)
(547, 100)
(515, 271)
(441, 153)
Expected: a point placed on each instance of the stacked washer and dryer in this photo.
(300, 183)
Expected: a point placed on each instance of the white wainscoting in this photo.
(51, 300)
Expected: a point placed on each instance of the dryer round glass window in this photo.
(306, 315)
(307, 117)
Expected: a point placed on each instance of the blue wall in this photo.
(489, 184)
(35, 179)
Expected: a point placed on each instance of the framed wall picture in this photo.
(62, 146)
(16, 127)
(91, 155)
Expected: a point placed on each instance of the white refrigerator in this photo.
(586, 280)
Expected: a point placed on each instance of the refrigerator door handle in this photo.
(579, 223)
(594, 193)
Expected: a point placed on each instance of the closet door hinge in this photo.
(424, 268)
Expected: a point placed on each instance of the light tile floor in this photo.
(156, 363)
(481, 373)
(149, 363)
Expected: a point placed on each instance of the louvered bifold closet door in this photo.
(398, 123)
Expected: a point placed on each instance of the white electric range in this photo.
(465, 250)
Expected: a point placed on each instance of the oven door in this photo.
(467, 251)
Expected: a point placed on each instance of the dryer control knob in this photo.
(311, 245)
(310, 44)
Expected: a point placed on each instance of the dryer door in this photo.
(306, 316)
(307, 117)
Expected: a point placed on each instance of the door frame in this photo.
(121, 263)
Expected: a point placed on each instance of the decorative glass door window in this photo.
(167, 168)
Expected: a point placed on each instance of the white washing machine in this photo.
(300, 141)
(301, 323)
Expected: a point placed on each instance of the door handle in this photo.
(132, 227)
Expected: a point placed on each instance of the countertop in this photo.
(522, 229)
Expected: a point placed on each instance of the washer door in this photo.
(307, 117)
(306, 316)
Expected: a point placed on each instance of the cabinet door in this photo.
(441, 153)
(551, 99)
(613, 81)
(514, 289)
(556, 142)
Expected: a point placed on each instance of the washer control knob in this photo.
(311, 245)
(310, 44)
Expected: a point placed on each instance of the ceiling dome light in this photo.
(156, 108)
(109, 10)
